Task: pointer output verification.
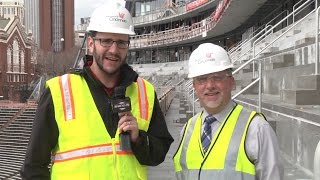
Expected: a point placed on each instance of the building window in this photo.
(138, 9)
(22, 61)
(8, 78)
(9, 60)
(148, 8)
(15, 56)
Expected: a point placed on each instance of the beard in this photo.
(99, 61)
(216, 105)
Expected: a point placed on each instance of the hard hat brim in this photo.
(208, 71)
(113, 30)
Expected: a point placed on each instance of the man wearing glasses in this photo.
(224, 141)
(77, 132)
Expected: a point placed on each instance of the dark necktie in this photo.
(206, 135)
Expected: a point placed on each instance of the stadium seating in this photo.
(14, 140)
(7, 113)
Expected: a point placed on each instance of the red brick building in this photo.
(16, 68)
(56, 22)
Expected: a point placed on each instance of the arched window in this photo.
(15, 56)
(9, 59)
(22, 61)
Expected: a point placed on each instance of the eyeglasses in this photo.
(216, 78)
(108, 43)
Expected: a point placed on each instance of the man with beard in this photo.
(76, 132)
(224, 141)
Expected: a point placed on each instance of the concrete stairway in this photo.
(185, 111)
(307, 92)
(165, 171)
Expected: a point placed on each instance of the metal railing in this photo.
(255, 55)
(165, 99)
(286, 12)
(261, 31)
(177, 34)
(298, 10)
(157, 15)
(316, 173)
(317, 41)
(264, 32)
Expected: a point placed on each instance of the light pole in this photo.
(54, 50)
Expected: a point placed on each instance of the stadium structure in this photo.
(274, 45)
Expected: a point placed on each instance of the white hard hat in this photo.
(208, 58)
(111, 17)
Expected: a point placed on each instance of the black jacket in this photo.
(149, 151)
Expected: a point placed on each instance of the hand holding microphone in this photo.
(127, 123)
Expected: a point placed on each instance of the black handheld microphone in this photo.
(120, 104)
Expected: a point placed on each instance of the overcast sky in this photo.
(84, 8)
(12, 1)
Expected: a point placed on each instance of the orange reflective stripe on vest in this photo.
(67, 98)
(90, 151)
(143, 100)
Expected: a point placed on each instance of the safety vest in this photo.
(226, 157)
(85, 150)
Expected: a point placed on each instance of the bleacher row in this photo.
(162, 69)
(15, 130)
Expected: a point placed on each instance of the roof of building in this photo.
(3, 23)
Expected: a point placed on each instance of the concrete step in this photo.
(279, 61)
(243, 80)
(308, 82)
(305, 41)
(273, 102)
(301, 96)
(292, 33)
(249, 68)
(307, 92)
(252, 90)
(270, 49)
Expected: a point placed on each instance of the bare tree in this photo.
(64, 60)
(49, 63)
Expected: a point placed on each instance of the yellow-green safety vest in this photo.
(226, 157)
(85, 150)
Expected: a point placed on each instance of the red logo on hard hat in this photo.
(209, 55)
(121, 15)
